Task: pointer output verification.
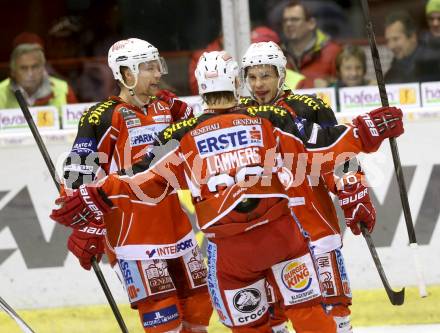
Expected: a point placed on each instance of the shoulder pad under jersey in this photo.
(267, 111)
(277, 115)
(178, 129)
(245, 101)
(94, 114)
(305, 103)
(312, 108)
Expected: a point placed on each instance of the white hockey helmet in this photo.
(216, 71)
(130, 53)
(264, 53)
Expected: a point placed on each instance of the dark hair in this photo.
(218, 97)
(349, 51)
(306, 9)
(403, 17)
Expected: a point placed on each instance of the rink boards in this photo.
(36, 270)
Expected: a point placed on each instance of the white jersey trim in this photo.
(235, 203)
(326, 244)
(157, 251)
(297, 201)
(107, 132)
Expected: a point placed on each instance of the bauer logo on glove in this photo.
(355, 202)
(84, 206)
(90, 203)
(85, 245)
(354, 198)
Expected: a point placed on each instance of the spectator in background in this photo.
(412, 62)
(262, 33)
(28, 73)
(432, 10)
(308, 50)
(351, 67)
(430, 40)
(401, 39)
(294, 80)
(330, 16)
(259, 33)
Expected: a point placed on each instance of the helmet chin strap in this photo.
(137, 100)
(280, 89)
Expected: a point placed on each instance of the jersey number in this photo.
(241, 176)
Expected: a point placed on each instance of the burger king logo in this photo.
(296, 276)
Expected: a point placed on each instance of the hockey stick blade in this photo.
(41, 146)
(395, 297)
(11, 312)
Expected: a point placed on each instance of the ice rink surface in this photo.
(433, 328)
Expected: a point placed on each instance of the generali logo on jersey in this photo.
(228, 139)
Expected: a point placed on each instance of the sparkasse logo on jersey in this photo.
(228, 139)
(130, 284)
(144, 135)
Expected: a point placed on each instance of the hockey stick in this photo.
(395, 297)
(394, 150)
(10, 311)
(51, 167)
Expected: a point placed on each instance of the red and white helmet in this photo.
(216, 71)
(264, 53)
(130, 53)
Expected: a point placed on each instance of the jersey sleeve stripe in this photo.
(103, 137)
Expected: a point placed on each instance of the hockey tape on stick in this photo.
(419, 271)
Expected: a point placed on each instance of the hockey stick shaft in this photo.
(51, 167)
(384, 99)
(393, 144)
(10, 311)
(395, 297)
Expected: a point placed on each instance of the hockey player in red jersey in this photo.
(234, 162)
(152, 247)
(263, 70)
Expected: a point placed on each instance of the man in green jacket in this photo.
(28, 73)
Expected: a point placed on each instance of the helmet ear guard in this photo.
(131, 53)
(216, 71)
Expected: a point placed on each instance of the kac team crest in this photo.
(296, 276)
